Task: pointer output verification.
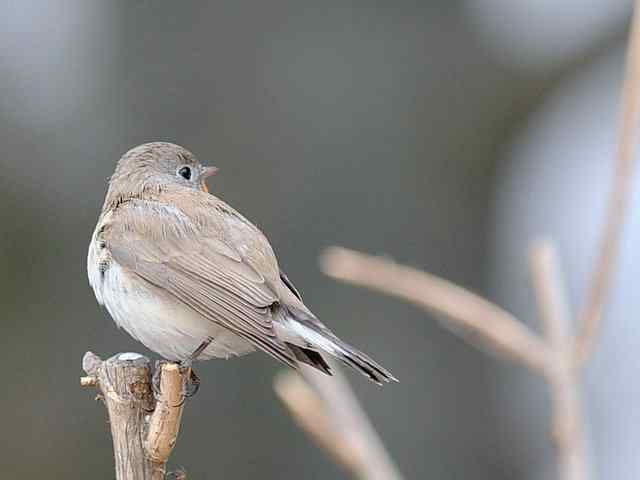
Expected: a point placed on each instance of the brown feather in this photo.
(222, 268)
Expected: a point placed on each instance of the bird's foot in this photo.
(191, 385)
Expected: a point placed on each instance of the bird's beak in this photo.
(208, 172)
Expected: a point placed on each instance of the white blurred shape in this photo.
(555, 183)
(541, 34)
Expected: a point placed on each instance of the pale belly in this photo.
(168, 328)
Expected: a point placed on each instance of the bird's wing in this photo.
(191, 256)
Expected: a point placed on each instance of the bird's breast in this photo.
(153, 317)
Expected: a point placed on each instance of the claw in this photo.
(194, 382)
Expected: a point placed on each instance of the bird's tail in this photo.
(312, 339)
(361, 362)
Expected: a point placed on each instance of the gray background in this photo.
(383, 127)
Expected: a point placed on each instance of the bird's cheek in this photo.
(203, 187)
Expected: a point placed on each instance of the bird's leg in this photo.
(193, 384)
(201, 348)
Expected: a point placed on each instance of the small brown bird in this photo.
(189, 277)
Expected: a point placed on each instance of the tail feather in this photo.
(362, 363)
(308, 339)
(310, 357)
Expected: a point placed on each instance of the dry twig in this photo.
(499, 330)
(567, 422)
(308, 410)
(332, 416)
(591, 312)
(466, 312)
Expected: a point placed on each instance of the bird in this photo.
(192, 279)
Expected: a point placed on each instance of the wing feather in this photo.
(198, 266)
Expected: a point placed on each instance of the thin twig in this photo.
(567, 422)
(353, 424)
(309, 411)
(591, 311)
(549, 288)
(330, 413)
(465, 311)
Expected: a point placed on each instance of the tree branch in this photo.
(464, 311)
(467, 313)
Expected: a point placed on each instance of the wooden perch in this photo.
(143, 430)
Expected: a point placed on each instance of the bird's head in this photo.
(154, 165)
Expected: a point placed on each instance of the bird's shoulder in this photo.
(184, 220)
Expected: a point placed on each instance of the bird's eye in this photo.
(185, 172)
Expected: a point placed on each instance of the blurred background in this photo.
(445, 134)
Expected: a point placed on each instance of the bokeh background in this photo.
(446, 134)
